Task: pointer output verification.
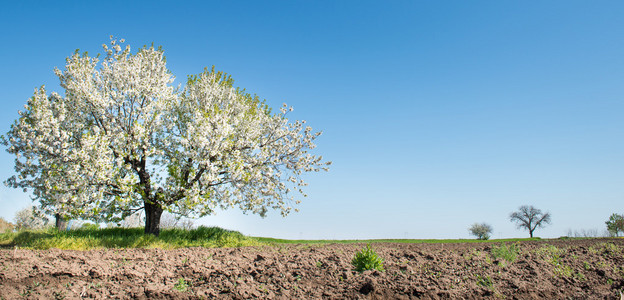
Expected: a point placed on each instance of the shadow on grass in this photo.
(91, 238)
(13, 239)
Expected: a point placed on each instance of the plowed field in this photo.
(554, 269)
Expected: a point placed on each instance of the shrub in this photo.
(181, 286)
(481, 231)
(508, 253)
(367, 259)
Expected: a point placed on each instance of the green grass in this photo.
(267, 240)
(506, 252)
(182, 285)
(367, 259)
(94, 238)
(485, 281)
(85, 239)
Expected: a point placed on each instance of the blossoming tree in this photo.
(122, 139)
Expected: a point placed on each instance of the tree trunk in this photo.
(61, 223)
(531, 233)
(152, 218)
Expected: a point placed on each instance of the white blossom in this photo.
(122, 137)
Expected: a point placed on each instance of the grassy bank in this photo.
(84, 239)
(91, 238)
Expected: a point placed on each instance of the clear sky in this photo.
(435, 114)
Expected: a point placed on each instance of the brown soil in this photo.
(559, 269)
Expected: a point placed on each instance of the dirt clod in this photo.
(367, 287)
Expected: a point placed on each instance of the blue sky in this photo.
(435, 114)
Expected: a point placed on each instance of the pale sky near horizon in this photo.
(436, 115)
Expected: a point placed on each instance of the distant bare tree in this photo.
(481, 231)
(168, 221)
(586, 233)
(529, 218)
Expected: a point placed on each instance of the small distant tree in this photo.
(529, 218)
(615, 224)
(481, 231)
(29, 218)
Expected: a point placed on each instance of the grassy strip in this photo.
(90, 238)
(85, 239)
(406, 241)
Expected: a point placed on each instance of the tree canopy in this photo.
(122, 138)
(481, 230)
(615, 224)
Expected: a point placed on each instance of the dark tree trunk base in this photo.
(152, 218)
(60, 222)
